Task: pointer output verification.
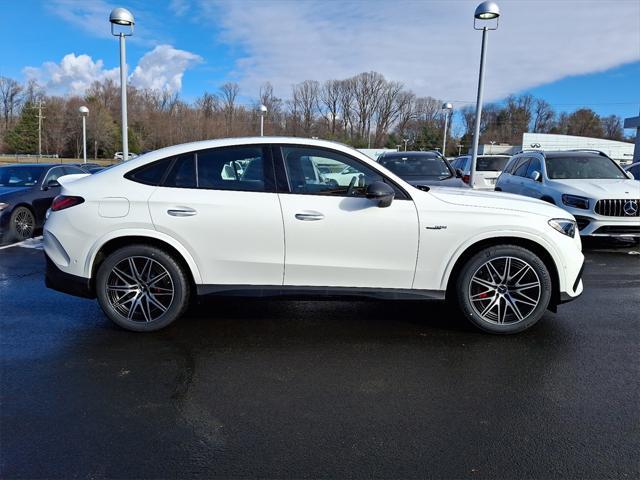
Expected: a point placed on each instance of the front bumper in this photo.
(60, 281)
(590, 224)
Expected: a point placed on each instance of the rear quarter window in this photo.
(151, 174)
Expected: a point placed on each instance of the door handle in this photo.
(182, 212)
(309, 216)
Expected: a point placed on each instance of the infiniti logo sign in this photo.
(630, 208)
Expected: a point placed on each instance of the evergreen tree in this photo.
(23, 137)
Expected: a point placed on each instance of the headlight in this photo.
(575, 201)
(564, 225)
(3, 206)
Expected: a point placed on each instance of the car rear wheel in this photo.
(504, 289)
(142, 288)
(22, 224)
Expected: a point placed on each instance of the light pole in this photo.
(405, 140)
(84, 111)
(263, 110)
(485, 11)
(446, 108)
(123, 17)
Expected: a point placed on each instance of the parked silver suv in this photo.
(603, 198)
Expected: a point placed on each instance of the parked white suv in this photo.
(488, 169)
(144, 235)
(603, 198)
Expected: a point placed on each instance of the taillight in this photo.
(63, 201)
(465, 178)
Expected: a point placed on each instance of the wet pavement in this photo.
(275, 388)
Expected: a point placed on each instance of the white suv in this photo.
(488, 169)
(603, 198)
(144, 236)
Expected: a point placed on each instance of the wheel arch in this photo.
(156, 239)
(536, 247)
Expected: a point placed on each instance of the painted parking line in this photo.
(35, 242)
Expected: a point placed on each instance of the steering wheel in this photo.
(352, 183)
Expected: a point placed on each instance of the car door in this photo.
(221, 205)
(44, 197)
(334, 235)
(531, 187)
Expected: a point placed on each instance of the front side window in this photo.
(306, 166)
(534, 166)
(582, 167)
(54, 174)
(521, 169)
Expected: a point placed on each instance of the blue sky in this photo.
(587, 54)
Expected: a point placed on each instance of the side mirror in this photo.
(51, 184)
(630, 175)
(535, 176)
(382, 193)
(459, 173)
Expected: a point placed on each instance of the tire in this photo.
(142, 288)
(500, 307)
(21, 224)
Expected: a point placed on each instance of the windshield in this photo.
(491, 164)
(582, 167)
(20, 176)
(414, 166)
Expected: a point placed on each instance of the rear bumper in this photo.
(60, 281)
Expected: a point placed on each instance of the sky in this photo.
(571, 53)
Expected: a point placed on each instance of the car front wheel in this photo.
(142, 288)
(504, 289)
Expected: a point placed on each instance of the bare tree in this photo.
(543, 116)
(330, 101)
(367, 88)
(612, 127)
(387, 109)
(10, 98)
(305, 100)
(229, 92)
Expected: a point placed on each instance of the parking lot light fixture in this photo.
(446, 108)
(122, 23)
(263, 111)
(485, 12)
(84, 111)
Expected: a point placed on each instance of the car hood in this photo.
(601, 188)
(497, 200)
(8, 191)
(447, 182)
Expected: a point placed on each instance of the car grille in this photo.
(618, 207)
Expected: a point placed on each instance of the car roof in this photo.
(429, 153)
(43, 165)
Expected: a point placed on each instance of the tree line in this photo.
(363, 110)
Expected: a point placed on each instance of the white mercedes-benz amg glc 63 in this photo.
(251, 216)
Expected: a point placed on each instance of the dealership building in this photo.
(620, 151)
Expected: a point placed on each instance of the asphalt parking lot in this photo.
(304, 389)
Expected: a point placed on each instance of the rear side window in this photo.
(151, 174)
(491, 164)
(182, 173)
(235, 168)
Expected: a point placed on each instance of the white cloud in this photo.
(430, 46)
(160, 69)
(73, 75)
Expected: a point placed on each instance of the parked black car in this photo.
(422, 168)
(26, 192)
